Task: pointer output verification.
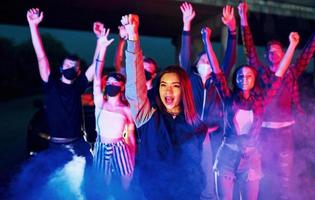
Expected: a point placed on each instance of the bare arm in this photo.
(34, 17)
(185, 51)
(118, 60)
(286, 60)
(99, 61)
(119, 55)
(98, 27)
(131, 139)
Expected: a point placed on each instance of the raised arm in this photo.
(305, 56)
(220, 80)
(286, 60)
(118, 60)
(276, 80)
(102, 44)
(185, 51)
(34, 17)
(229, 60)
(98, 27)
(136, 90)
(248, 42)
(206, 34)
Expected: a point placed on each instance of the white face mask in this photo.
(204, 69)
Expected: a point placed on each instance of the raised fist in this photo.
(97, 28)
(34, 16)
(294, 38)
(131, 23)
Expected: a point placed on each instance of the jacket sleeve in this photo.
(304, 58)
(251, 53)
(222, 86)
(230, 54)
(185, 52)
(136, 91)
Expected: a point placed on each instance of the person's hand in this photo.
(228, 17)
(294, 38)
(131, 24)
(242, 11)
(34, 16)
(103, 38)
(122, 32)
(97, 28)
(206, 34)
(188, 14)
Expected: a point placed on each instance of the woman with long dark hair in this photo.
(171, 133)
(239, 158)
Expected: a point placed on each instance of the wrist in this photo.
(244, 21)
(233, 33)
(186, 27)
(232, 30)
(99, 60)
(293, 45)
(133, 37)
(40, 58)
(32, 25)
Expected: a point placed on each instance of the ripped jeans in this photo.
(277, 160)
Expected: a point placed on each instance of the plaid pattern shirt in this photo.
(280, 109)
(257, 102)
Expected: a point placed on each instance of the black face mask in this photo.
(70, 73)
(112, 90)
(148, 75)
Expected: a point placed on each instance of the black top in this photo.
(169, 157)
(64, 109)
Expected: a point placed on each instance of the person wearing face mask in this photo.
(62, 96)
(73, 72)
(150, 70)
(207, 100)
(63, 109)
(114, 150)
(238, 160)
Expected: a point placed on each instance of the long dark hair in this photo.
(187, 102)
(257, 90)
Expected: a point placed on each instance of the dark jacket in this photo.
(207, 101)
(169, 153)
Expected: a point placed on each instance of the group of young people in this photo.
(197, 136)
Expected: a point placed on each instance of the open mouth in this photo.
(169, 100)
